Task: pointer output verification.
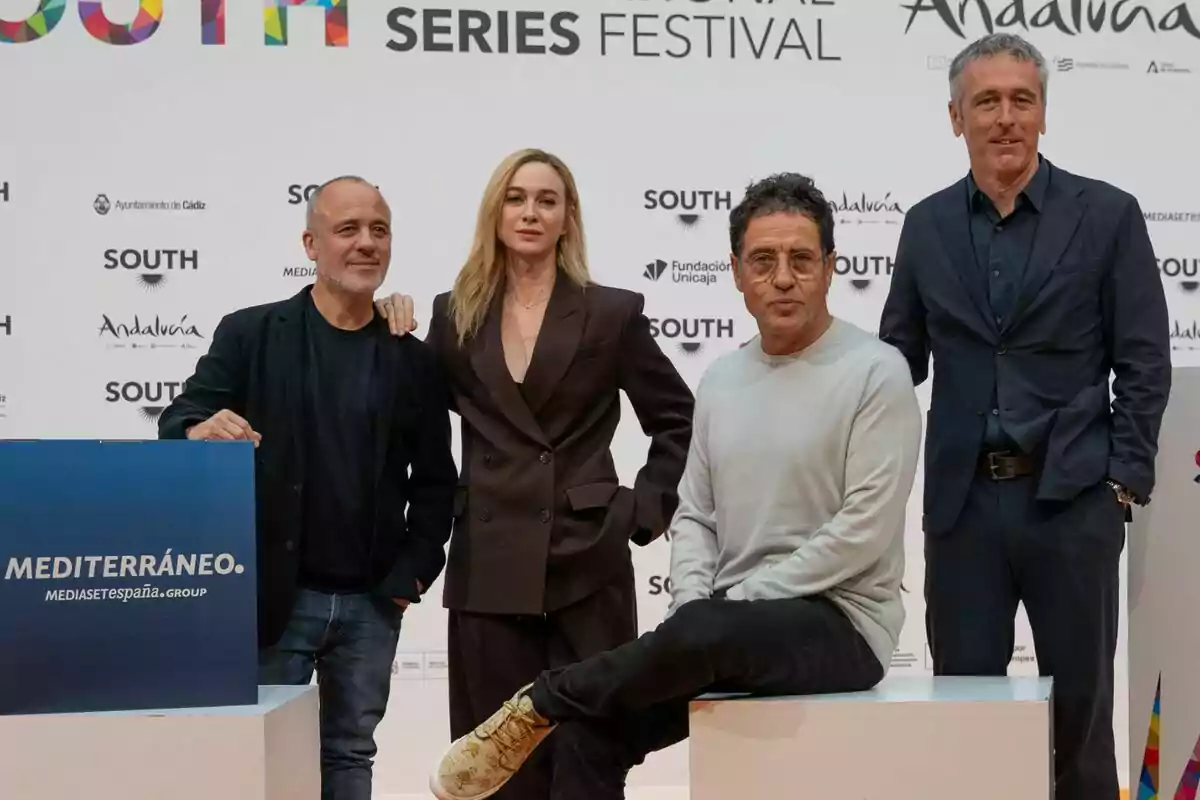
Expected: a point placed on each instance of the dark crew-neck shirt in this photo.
(339, 497)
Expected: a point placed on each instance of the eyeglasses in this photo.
(802, 266)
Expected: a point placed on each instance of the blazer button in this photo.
(487, 458)
(289, 545)
(485, 515)
(544, 458)
(545, 515)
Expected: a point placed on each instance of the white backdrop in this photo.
(150, 188)
(1164, 567)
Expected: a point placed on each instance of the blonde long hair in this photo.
(484, 269)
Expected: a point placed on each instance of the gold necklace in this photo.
(531, 304)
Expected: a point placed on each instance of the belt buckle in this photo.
(993, 460)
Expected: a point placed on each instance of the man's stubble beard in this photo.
(353, 287)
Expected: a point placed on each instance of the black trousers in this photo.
(615, 708)
(1061, 560)
(491, 656)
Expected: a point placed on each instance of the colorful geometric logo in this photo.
(1197, 478)
(337, 25)
(212, 21)
(91, 12)
(149, 17)
(1148, 783)
(43, 20)
(49, 14)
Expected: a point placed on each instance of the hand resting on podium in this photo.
(224, 426)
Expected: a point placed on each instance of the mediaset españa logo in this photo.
(46, 568)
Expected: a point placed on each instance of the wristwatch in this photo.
(1123, 495)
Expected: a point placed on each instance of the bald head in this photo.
(314, 199)
(349, 234)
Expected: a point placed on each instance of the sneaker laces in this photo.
(508, 729)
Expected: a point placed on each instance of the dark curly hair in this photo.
(783, 192)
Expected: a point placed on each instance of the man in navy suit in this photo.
(1030, 286)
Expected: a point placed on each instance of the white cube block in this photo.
(916, 738)
(269, 751)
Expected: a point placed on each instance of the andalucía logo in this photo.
(864, 209)
(144, 333)
(1071, 17)
(1184, 336)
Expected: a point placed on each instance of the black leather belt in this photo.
(1004, 465)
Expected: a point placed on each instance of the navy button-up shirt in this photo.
(1002, 246)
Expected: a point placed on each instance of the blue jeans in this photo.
(350, 640)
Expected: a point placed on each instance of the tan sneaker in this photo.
(478, 764)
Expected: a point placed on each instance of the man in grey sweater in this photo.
(787, 548)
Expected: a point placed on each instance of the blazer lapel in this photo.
(387, 375)
(487, 358)
(954, 224)
(557, 341)
(1060, 219)
(287, 357)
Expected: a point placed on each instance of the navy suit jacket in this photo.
(1090, 306)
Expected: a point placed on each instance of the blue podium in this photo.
(128, 576)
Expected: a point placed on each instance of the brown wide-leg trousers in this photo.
(491, 656)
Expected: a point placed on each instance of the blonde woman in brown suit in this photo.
(539, 572)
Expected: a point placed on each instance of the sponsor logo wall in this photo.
(209, 124)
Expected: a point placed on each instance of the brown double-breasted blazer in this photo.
(541, 519)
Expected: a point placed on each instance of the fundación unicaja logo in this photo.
(655, 269)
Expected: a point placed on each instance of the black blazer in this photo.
(255, 367)
(1091, 304)
(541, 519)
